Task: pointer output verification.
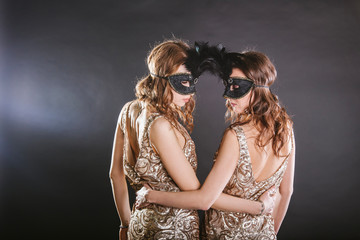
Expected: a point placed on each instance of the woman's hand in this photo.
(141, 200)
(123, 233)
(268, 198)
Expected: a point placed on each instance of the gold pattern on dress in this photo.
(156, 221)
(232, 225)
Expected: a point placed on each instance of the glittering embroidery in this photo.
(231, 225)
(155, 221)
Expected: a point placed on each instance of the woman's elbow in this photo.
(196, 186)
(205, 207)
(288, 191)
(114, 175)
(205, 204)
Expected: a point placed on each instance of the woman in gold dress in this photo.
(152, 147)
(257, 153)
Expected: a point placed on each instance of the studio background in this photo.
(68, 67)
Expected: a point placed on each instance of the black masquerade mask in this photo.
(237, 87)
(182, 83)
(199, 59)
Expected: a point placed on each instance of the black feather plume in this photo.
(203, 57)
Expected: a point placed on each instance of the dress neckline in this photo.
(250, 163)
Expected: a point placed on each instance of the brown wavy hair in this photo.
(163, 60)
(269, 117)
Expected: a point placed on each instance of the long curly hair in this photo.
(163, 60)
(264, 110)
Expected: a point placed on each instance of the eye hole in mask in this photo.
(232, 87)
(185, 83)
(238, 87)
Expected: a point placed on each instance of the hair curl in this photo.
(270, 118)
(163, 60)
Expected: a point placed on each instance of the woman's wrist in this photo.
(262, 208)
(124, 223)
(150, 196)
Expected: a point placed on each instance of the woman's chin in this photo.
(179, 105)
(236, 110)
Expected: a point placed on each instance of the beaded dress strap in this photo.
(244, 153)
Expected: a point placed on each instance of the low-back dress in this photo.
(156, 221)
(232, 225)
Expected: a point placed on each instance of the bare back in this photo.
(264, 162)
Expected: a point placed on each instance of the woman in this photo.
(256, 153)
(147, 125)
(152, 147)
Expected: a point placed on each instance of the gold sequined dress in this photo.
(155, 221)
(231, 225)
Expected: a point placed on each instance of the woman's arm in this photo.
(165, 142)
(229, 203)
(117, 178)
(285, 190)
(214, 184)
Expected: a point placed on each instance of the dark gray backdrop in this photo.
(67, 68)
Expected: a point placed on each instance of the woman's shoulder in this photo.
(131, 109)
(159, 122)
(160, 128)
(290, 132)
(291, 136)
(229, 142)
(288, 140)
(236, 129)
(126, 106)
(230, 134)
(133, 104)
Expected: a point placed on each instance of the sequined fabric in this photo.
(155, 221)
(232, 225)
